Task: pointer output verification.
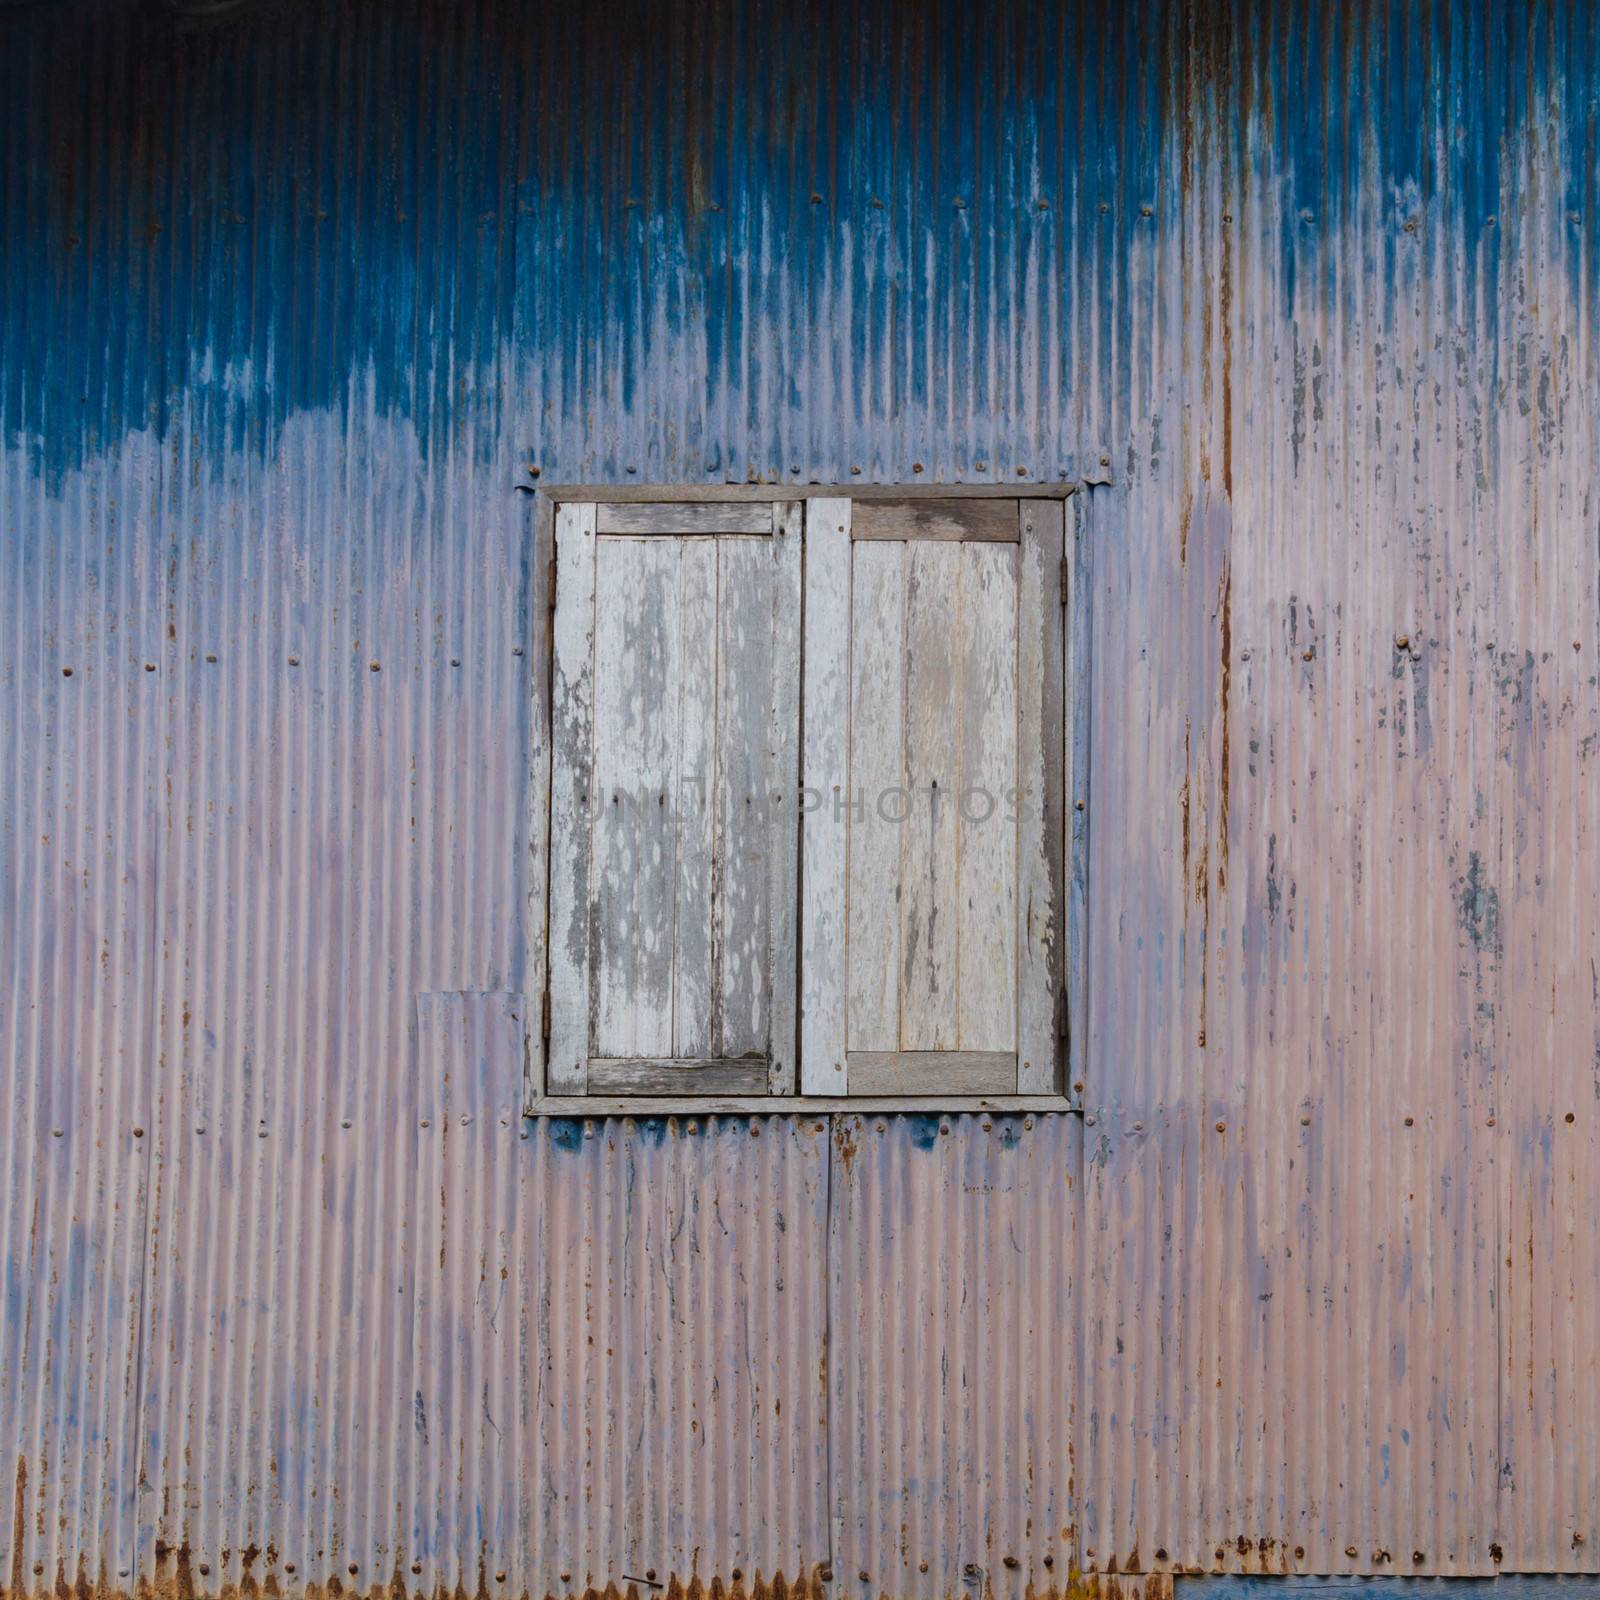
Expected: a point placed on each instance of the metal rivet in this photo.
(1570, 1117)
(374, 667)
(1222, 1127)
(288, 1566)
(455, 661)
(211, 657)
(1350, 1550)
(1306, 655)
(416, 1566)
(426, 1123)
(1305, 1119)
(516, 649)
(1402, 641)
(1077, 805)
(344, 1122)
(1077, 1088)
(1411, 1122)
(354, 1569)
(1491, 1121)
(138, 1133)
(205, 1570)
(55, 1133)
(66, 672)
(294, 661)
(149, 666)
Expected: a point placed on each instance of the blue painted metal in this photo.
(289, 303)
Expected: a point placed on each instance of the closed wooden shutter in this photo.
(674, 817)
(934, 745)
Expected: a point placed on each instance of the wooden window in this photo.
(807, 798)
(934, 897)
(674, 815)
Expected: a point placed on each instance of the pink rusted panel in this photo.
(952, 1363)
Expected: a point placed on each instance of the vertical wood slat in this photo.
(986, 958)
(783, 783)
(542, 536)
(633, 861)
(692, 802)
(1076, 702)
(741, 927)
(571, 724)
(930, 876)
(1041, 908)
(825, 867)
(874, 792)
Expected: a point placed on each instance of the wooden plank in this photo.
(691, 800)
(932, 1072)
(826, 776)
(673, 517)
(737, 1105)
(542, 537)
(874, 796)
(670, 1076)
(986, 956)
(861, 493)
(930, 868)
(1076, 701)
(1041, 903)
(991, 521)
(741, 950)
(783, 807)
(632, 886)
(571, 722)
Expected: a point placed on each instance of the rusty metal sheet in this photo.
(1307, 294)
(953, 1353)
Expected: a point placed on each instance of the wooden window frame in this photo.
(614, 515)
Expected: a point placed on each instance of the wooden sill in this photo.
(594, 1105)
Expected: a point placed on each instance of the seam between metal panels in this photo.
(829, 1322)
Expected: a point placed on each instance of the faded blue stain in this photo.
(566, 1133)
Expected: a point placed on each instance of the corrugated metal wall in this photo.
(290, 300)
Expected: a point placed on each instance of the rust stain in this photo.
(1225, 615)
(1183, 801)
(844, 1139)
(19, 1524)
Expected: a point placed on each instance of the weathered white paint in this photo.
(571, 723)
(826, 777)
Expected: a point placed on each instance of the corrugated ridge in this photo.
(288, 308)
